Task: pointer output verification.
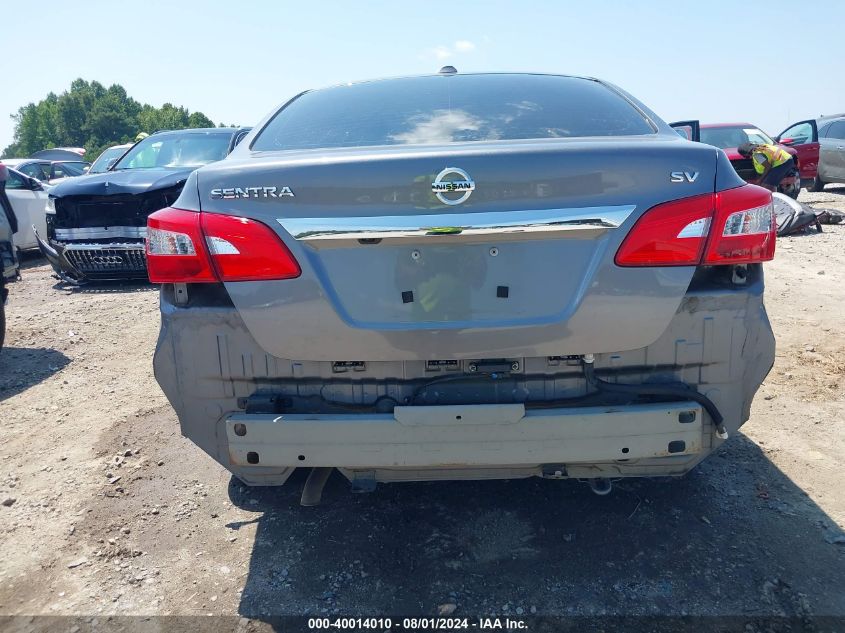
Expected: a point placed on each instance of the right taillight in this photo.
(736, 226)
(744, 228)
(191, 247)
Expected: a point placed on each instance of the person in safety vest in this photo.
(771, 162)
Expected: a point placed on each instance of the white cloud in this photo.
(443, 52)
(442, 126)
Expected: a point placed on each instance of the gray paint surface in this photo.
(566, 295)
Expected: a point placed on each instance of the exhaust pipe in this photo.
(600, 486)
(312, 491)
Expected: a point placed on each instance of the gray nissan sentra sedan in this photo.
(463, 276)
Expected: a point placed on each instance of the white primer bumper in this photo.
(465, 435)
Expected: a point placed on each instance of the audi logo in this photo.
(107, 260)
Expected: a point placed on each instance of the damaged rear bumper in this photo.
(217, 377)
(78, 262)
(466, 435)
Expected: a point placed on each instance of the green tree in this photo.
(92, 116)
(198, 119)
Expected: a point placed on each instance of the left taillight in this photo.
(176, 251)
(191, 247)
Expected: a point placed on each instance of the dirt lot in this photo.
(106, 509)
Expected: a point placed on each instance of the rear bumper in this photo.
(209, 366)
(466, 435)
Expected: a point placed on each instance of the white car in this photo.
(28, 197)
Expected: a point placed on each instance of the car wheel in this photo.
(817, 185)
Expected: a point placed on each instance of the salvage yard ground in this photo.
(106, 509)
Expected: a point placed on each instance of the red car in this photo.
(729, 136)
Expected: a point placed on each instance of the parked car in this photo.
(729, 136)
(9, 267)
(463, 276)
(108, 158)
(61, 154)
(820, 143)
(96, 224)
(48, 171)
(28, 198)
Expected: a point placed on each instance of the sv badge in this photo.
(683, 176)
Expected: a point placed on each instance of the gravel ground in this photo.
(107, 510)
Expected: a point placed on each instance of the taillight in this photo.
(736, 226)
(670, 234)
(246, 250)
(191, 247)
(176, 250)
(744, 228)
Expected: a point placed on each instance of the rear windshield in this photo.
(451, 109)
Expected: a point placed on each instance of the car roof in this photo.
(199, 130)
(717, 125)
(25, 161)
(825, 118)
(455, 74)
(827, 121)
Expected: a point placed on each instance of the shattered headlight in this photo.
(51, 205)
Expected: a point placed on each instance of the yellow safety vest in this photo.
(772, 153)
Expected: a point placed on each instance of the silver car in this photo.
(463, 276)
(820, 144)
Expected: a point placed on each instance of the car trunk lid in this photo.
(522, 266)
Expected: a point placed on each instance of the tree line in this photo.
(92, 116)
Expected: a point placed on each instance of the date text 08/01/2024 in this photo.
(418, 624)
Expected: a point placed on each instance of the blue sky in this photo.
(770, 63)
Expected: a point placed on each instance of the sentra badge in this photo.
(232, 193)
(452, 186)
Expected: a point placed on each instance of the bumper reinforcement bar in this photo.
(471, 435)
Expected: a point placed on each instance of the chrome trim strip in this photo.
(104, 233)
(104, 247)
(440, 224)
